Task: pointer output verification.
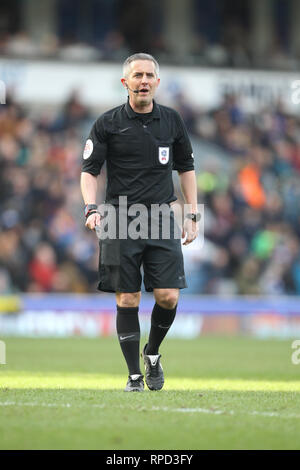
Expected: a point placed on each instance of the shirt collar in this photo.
(132, 115)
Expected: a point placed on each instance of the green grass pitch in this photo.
(220, 393)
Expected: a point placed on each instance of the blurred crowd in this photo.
(252, 217)
(233, 50)
(252, 211)
(44, 246)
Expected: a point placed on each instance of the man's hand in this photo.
(92, 221)
(190, 230)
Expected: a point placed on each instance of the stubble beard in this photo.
(144, 102)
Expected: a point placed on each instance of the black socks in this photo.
(161, 320)
(128, 329)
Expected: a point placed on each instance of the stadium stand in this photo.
(250, 191)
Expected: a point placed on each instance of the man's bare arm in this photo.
(189, 190)
(88, 185)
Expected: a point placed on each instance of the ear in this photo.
(124, 83)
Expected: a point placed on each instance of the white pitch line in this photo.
(49, 405)
(226, 412)
(272, 414)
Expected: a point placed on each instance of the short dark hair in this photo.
(139, 56)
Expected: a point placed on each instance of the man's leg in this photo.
(128, 329)
(163, 315)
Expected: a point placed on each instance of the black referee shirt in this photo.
(140, 150)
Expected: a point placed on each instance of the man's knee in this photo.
(129, 300)
(167, 298)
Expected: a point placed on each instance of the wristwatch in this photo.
(194, 216)
(90, 209)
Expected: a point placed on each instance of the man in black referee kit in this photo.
(141, 142)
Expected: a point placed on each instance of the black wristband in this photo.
(89, 209)
(90, 213)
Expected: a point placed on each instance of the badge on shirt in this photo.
(163, 155)
(88, 149)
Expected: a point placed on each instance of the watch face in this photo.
(193, 217)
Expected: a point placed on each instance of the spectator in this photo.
(252, 221)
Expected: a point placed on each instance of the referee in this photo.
(141, 143)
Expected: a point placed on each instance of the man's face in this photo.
(142, 77)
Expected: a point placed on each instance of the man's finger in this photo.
(92, 221)
(191, 237)
(97, 219)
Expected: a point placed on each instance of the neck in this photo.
(141, 108)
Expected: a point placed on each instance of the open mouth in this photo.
(144, 90)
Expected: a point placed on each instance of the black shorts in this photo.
(121, 262)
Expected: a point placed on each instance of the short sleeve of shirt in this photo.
(95, 150)
(183, 159)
